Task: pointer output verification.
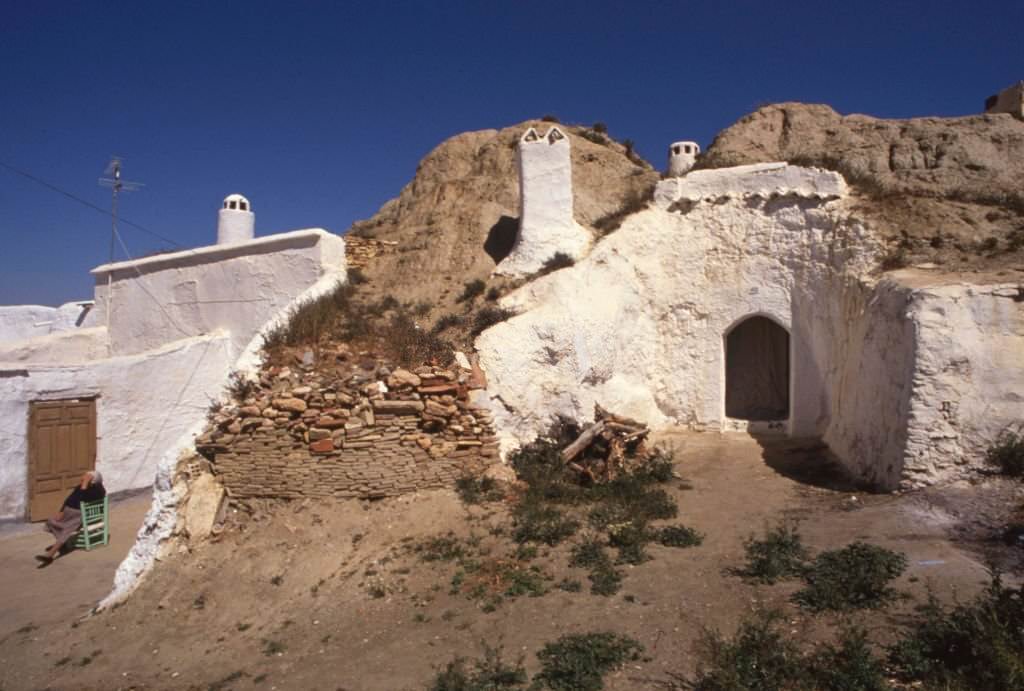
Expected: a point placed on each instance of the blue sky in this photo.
(319, 112)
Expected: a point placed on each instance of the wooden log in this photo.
(602, 414)
(582, 442)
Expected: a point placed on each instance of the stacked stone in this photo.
(367, 431)
(360, 252)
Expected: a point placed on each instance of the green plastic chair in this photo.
(95, 530)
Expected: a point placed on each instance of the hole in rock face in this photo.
(757, 370)
(501, 238)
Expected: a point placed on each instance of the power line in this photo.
(92, 206)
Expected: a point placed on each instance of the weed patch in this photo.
(760, 656)
(1007, 453)
(471, 290)
(488, 317)
(488, 674)
(978, 646)
(778, 555)
(854, 577)
(474, 490)
(679, 536)
(579, 662)
(560, 260)
(636, 200)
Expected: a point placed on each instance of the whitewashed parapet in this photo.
(763, 180)
(238, 287)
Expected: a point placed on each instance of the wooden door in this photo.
(62, 446)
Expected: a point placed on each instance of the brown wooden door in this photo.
(62, 446)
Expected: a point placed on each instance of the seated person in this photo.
(66, 523)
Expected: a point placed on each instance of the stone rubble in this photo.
(361, 429)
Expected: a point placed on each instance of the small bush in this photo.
(977, 646)
(592, 136)
(241, 387)
(493, 293)
(550, 118)
(854, 577)
(630, 539)
(1007, 453)
(636, 200)
(579, 662)
(779, 554)
(545, 524)
(488, 317)
(447, 321)
(560, 260)
(600, 128)
(473, 490)
(679, 536)
(895, 258)
(489, 674)
(759, 656)
(762, 657)
(471, 290)
(408, 343)
(441, 548)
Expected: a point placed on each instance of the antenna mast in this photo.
(117, 185)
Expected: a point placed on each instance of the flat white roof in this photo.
(210, 252)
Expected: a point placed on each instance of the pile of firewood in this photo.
(608, 447)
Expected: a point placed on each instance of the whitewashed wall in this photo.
(968, 380)
(144, 403)
(179, 324)
(232, 287)
(19, 322)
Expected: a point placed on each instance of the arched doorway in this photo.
(757, 370)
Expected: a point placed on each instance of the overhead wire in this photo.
(84, 202)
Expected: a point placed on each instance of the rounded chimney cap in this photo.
(237, 202)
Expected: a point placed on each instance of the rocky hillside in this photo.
(947, 190)
(459, 215)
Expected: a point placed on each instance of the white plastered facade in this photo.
(166, 332)
(639, 326)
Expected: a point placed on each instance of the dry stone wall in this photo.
(359, 430)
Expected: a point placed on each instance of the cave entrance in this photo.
(757, 370)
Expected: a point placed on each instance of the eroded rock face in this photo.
(458, 217)
(944, 186)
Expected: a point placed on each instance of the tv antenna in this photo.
(117, 185)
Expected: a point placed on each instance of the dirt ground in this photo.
(71, 586)
(332, 596)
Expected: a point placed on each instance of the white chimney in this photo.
(235, 221)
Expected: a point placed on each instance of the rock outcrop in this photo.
(458, 217)
(949, 190)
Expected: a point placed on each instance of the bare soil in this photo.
(309, 595)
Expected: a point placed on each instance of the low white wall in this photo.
(864, 348)
(60, 348)
(18, 322)
(235, 287)
(968, 380)
(144, 403)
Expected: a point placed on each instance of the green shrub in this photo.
(850, 666)
(679, 536)
(441, 548)
(409, 344)
(978, 646)
(778, 555)
(763, 658)
(474, 490)
(560, 260)
(1007, 453)
(579, 662)
(759, 657)
(488, 317)
(854, 577)
(536, 522)
(240, 387)
(550, 118)
(600, 127)
(447, 321)
(630, 539)
(489, 674)
(636, 200)
(471, 290)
